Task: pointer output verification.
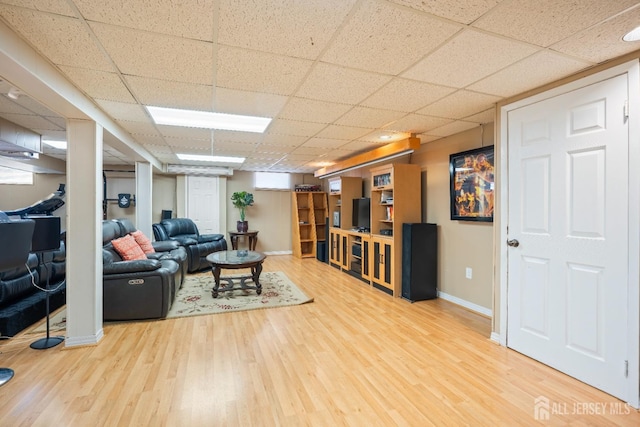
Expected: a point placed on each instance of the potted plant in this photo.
(242, 199)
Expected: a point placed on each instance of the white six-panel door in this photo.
(203, 203)
(568, 210)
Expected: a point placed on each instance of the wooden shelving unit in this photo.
(309, 212)
(342, 191)
(395, 199)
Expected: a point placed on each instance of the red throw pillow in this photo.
(143, 241)
(128, 248)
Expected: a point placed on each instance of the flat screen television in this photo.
(362, 214)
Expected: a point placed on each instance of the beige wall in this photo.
(461, 244)
(20, 196)
(270, 214)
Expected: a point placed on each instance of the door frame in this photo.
(632, 70)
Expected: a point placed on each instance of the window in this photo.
(15, 176)
(272, 181)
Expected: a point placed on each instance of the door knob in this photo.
(513, 242)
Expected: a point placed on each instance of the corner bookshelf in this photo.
(309, 212)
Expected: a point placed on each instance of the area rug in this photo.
(194, 298)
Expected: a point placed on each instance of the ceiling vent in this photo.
(199, 170)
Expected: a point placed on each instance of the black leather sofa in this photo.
(21, 303)
(138, 289)
(198, 246)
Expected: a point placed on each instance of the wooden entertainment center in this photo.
(374, 256)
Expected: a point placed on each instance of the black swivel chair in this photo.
(15, 244)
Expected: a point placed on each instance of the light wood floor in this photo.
(354, 356)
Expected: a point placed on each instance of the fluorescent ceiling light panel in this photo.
(215, 159)
(60, 145)
(208, 120)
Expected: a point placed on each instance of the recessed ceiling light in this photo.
(14, 93)
(215, 159)
(385, 137)
(208, 120)
(60, 145)
(632, 36)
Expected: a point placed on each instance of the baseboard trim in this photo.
(495, 337)
(466, 304)
(279, 253)
(86, 340)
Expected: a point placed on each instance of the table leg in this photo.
(216, 281)
(255, 275)
(234, 243)
(253, 240)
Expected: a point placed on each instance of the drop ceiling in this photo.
(335, 75)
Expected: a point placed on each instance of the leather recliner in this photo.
(198, 246)
(168, 249)
(138, 289)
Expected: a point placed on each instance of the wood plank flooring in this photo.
(353, 357)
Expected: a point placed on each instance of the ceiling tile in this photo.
(331, 83)
(98, 84)
(406, 95)
(282, 140)
(536, 70)
(294, 127)
(235, 136)
(179, 144)
(237, 146)
(152, 140)
(325, 143)
(259, 71)
(180, 132)
(342, 132)
(271, 150)
(235, 101)
(59, 7)
(138, 128)
(310, 110)
(10, 107)
(35, 107)
(282, 26)
(155, 55)
(385, 38)
(544, 22)
(601, 42)
(311, 151)
(452, 128)
(31, 121)
(460, 104)
(416, 123)
(463, 60)
(488, 116)
(123, 111)
(159, 149)
(369, 117)
(62, 38)
(184, 18)
(376, 137)
(165, 93)
(464, 11)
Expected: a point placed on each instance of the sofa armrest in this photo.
(210, 237)
(185, 241)
(165, 245)
(136, 266)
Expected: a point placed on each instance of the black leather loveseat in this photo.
(138, 289)
(21, 303)
(198, 246)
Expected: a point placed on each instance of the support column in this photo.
(144, 198)
(84, 232)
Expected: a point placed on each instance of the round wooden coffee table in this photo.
(235, 260)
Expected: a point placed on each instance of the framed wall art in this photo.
(472, 184)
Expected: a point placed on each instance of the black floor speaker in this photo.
(419, 261)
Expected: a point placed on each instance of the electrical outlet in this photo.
(468, 273)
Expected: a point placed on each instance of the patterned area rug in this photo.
(194, 298)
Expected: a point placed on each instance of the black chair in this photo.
(14, 250)
(198, 246)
